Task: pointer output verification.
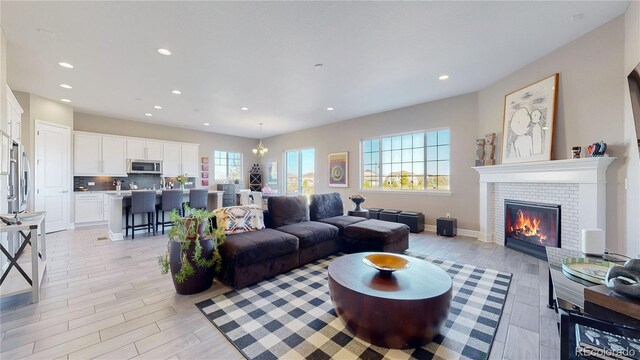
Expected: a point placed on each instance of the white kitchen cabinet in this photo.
(114, 160)
(87, 154)
(14, 117)
(189, 160)
(89, 208)
(140, 149)
(99, 155)
(172, 158)
(155, 150)
(136, 149)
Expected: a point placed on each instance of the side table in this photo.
(364, 213)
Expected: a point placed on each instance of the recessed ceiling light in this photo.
(65, 65)
(148, 114)
(164, 51)
(206, 124)
(318, 66)
(177, 92)
(329, 108)
(158, 107)
(65, 100)
(443, 77)
(244, 108)
(66, 86)
(196, 110)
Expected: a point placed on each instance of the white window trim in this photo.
(213, 165)
(411, 192)
(286, 179)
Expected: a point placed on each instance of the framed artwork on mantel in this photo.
(339, 169)
(529, 120)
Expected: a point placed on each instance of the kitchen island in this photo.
(119, 200)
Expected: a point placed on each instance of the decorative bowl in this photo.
(386, 263)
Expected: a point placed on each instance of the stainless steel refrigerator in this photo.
(19, 176)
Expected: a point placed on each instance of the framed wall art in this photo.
(272, 173)
(339, 169)
(529, 119)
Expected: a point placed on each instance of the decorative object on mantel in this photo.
(575, 152)
(357, 199)
(192, 253)
(625, 280)
(489, 149)
(479, 152)
(339, 169)
(597, 149)
(260, 149)
(590, 269)
(529, 116)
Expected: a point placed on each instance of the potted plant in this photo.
(192, 251)
(182, 179)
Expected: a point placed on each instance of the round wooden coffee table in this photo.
(403, 310)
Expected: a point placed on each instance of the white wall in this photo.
(590, 108)
(459, 113)
(631, 60)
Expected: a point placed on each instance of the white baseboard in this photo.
(461, 232)
(115, 236)
(89, 224)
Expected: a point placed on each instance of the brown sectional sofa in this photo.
(298, 234)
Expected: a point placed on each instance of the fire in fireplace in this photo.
(529, 227)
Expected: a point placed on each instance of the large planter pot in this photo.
(202, 279)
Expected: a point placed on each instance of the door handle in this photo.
(64, 191)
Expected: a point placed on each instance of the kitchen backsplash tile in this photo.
(104, 183)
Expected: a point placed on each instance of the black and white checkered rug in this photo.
(291, 317)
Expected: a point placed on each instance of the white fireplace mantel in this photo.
(589, 173)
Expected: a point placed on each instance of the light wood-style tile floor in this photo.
(107, 300)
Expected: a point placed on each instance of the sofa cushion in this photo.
(377, 231)
(238, 219)
(287, 210)
(341, 222)
(324, 206)
(311, 233)
(253, 247)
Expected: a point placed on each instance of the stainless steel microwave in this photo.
(144, 166)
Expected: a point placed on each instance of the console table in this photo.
(27, 231)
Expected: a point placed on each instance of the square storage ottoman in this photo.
(374, 213)
(376, 235)
(415, 220)
(389, 215)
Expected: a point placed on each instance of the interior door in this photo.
(53, 180)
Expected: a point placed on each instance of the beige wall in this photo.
(459, 113)
(208, 141)
(590, 107)
(631, 60)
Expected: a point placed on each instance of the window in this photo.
(228, 165)
(417, 161)
(300, 170)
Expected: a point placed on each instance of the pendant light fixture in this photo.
(260, 149)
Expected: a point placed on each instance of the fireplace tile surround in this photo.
(577, 185)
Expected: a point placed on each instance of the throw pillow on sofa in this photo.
(239, 219)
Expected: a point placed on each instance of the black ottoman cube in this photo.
(376, 235)
(389, 215)
(415, 220)
(374, 213)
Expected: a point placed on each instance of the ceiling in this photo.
(376, 56)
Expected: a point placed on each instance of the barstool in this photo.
(198, 199)
(142, 202)
(171, 200)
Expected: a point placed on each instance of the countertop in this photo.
(128, 192)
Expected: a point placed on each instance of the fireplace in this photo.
(529, 227)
